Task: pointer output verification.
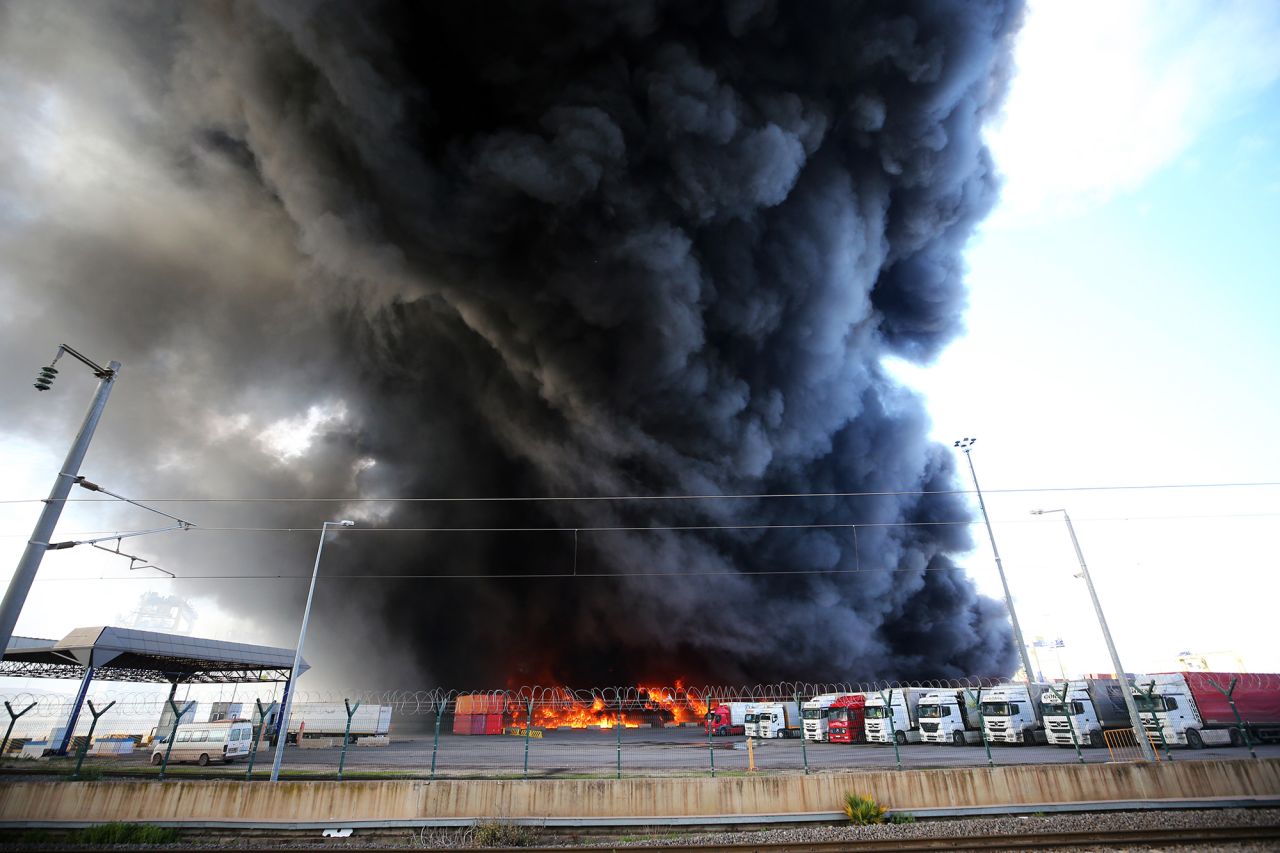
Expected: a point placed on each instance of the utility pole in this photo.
(16, 596)
(964, 444)
(1139, 733)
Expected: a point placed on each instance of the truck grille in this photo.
(928, 727)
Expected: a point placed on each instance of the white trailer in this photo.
(329, 719)
(949, 716)
(899, 721)
(814, 713)
(1089, 708)
(1011, 713)
(779, 719)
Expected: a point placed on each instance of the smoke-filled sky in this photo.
(577, 249)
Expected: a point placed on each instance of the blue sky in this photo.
(1123, 330)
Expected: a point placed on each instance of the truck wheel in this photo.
(203, 761)
(722, 731)
(900, 738)
(1237, 739)
(1095, 740)
(1194, 741)
(157, 759)
(957, 738)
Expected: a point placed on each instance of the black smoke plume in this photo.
(525, 249)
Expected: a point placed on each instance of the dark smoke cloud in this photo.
(527, 249)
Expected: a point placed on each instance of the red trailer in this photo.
(844, 719)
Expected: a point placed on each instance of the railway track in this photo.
(1119, 839)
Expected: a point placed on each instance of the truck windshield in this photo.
(766, 718)
(934, 711)
(838, 715)
(1152, 703)
(999, 709)
(751, 718)
(1061, 709)
(814, 713)
(876, 712)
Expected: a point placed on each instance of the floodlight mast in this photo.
(964, 445)
(1139, 733)
(23, 576)
(292, 687)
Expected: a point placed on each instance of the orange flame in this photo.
(559, 709)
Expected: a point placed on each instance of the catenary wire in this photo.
(708, 497)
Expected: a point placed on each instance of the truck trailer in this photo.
(949, 716)
(779, 719)
(845, 719)
(1011, 713)
(727, 718)
(1090, 707)
(899, 721)
(329, 719)
(1191, 711)
(815, 713)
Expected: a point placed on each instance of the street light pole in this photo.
(965, 444)
(1139, 733)
(23, 576)
(297, 657)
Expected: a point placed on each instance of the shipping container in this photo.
(481, 703)
(493, 724)
(462, 724)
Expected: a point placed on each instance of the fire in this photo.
(647, 706)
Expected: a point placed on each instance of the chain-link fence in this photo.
(531, 732)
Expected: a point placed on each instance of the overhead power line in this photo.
(705, 497)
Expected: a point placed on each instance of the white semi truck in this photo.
(751, 719)
(814, 712)
(899, 721)
(1090, 707)
(779, 719)
(1011, 713)
(949, 716)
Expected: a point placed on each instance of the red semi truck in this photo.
(1191, 709)
(727, 718)
(845, 719)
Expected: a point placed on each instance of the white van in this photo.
(224, 740)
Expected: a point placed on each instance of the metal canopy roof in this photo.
(126, 654)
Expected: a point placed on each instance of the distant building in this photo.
(1226, 661)
(168, 613)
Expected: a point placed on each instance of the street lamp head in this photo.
(346, 523)
(965, 443)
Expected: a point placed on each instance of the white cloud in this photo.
(289, 438)
(1106, 94)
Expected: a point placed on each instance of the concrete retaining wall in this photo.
(263, 802)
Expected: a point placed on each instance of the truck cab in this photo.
(751, 720)
(949, 716)
(1084, 713)
(779, 720)
(845, 719)
(1011, 715)
(895, 722)
(815, 713)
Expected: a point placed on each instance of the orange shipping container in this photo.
(481, 703)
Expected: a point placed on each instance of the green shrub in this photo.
(863, 811)
(501, 833)
(126, 833)
(902, 817)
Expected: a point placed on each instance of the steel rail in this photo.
(1120, 839)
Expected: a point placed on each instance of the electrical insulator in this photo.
(45, 379)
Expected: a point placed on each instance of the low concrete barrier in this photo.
(355, 801)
